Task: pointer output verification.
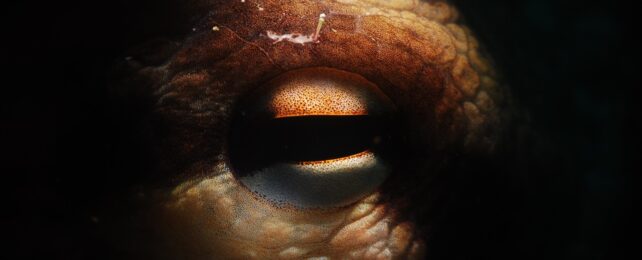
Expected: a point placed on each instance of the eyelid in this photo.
(324, 184)
(316, 99)
(321, 92)
(337, 161)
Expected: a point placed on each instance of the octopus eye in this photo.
(313, 138)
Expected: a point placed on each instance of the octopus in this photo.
(313, 129)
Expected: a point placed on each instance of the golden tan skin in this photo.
(417, 52)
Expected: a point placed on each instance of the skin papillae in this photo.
(417, 52)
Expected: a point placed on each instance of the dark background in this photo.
(574, 65)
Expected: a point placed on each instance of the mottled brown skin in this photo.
(416, 52)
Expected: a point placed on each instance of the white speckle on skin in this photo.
(216, 29)
(290, 37)
(298, 37)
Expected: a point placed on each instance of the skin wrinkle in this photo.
(416, 52)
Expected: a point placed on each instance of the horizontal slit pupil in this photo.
(318, 138)
(256, 144)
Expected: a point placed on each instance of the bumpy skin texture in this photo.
(417, 52)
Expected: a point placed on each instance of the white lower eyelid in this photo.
(322, 184)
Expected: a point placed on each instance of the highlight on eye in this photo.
(312, 138)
